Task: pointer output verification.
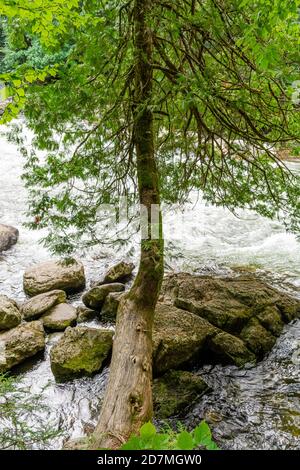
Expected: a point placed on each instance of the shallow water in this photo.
(254, 408)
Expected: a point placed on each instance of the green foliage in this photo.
(223, 74)
(150, 439)
(22, 418)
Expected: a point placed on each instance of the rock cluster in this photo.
(198, 319)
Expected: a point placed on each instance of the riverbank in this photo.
(255, 408)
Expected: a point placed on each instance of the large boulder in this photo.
(175, 391)
(96, 296)
(36, 306)
(20, 343)
(178, 337)
(59, 317)
(120, 272)
(230, 303)
(80, 351)
(8, 237)
(10, 315)
(66, 275)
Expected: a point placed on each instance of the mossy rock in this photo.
(175, 391)
(10, 315)
(121, 272)
(80, 351)
(271, 320)
(110, 308)
(20, 343)
(178, 337)
(39, 304)
(95, 297)
(257, 338)
(67, 275)
(230, 349)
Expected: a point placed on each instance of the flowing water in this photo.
(257, 408)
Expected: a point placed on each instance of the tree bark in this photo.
(128, 399)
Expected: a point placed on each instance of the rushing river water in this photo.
(257, 408)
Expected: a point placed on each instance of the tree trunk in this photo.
(128, 399)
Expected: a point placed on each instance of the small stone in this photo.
(96, 296)
(8, 237)
(121, 272)
(36, 306)
(59, 317)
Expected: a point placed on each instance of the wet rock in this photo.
(96, 296)
(20, 343)
(230, 350)
(80, 351)
(271, 319)
(63, 275)
(121, 272)
(289, 308)
(85, 314)
(230, 317)
(178, 337)
(10, 315)
(244, 306)
(36, 306)
(110, 307)
(59, 317)
(257, 338)
(175, 391)
(8, 237)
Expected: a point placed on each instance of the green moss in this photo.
(176, 390)
(82, 351)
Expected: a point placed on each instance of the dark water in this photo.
(248, 409)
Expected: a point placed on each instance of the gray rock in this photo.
(59, 317)
(80, 351)
(230, 350)
(20, 343)
(63, 275)
(8, 237)
(36, 306)
(10, 315)
(96, 296)
(121, 272)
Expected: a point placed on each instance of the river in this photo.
(257, 408)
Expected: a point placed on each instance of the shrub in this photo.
(150, 439)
